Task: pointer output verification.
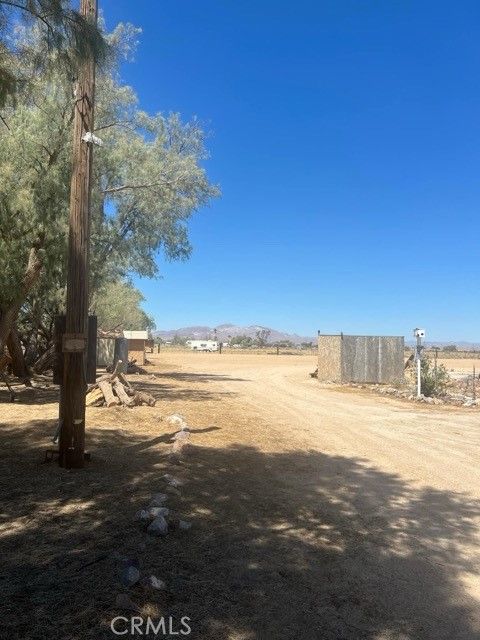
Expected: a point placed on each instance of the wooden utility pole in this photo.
(72, 397)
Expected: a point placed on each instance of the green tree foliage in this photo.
(284, 344)
(261, 337)
(450, 347)
(118, 306)
(148, 181)
(59, 29)
(244, 342)
(306, 345)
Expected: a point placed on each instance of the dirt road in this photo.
(400, 484)
(317, 513)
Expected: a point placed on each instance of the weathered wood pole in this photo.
(72, 413)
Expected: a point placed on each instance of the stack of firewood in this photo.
(114, 389)
(132, 367)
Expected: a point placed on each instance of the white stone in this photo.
(176, 420)
(172, 481)
(155, 583)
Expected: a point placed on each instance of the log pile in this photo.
(132, 367)
(113, 389)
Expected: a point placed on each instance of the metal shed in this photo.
(373, 359)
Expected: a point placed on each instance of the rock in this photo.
(142, 515)
(159, 527)
(154, 583)
(129, 572)
(129, 576)
(155, 512)
(184, 434)
(183, 525)
(176, 420)
(123, 601)
(428, 400)
(172, 481)
(158, 500)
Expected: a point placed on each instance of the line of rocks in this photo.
(450, 398)
(158, 520)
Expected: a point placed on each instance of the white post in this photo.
(419, 373)
(419, 334)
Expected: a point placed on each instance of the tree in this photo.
(59, 28)
(450, 347)
(245, 342)
(307, 345)
(118, 306)
(261, 337)
(148, 181)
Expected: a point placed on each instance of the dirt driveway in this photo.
(317, 513)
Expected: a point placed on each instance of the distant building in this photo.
(136, 345)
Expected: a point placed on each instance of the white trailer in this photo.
(203, 345)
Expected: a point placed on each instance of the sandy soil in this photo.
(461, 367)
(317, 512)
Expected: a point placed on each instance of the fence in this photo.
(373, 359)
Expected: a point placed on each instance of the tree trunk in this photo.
(14, 347)
(8, 315)
(46, 360)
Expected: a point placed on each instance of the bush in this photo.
(434, 380)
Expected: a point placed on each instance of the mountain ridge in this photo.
(226, 331)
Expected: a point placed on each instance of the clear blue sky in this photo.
(345, 138)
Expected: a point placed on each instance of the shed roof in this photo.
(136, 335)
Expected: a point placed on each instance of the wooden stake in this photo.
(72, 433)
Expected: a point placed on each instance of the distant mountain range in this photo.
(226, 331)
(461, 345)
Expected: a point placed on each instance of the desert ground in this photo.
(460, 367)
(317, 512)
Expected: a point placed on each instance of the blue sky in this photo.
(345, 139)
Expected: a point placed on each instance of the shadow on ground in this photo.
(296, 545)
(156, 384)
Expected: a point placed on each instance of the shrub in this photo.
(434, 379)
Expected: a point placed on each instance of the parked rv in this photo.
(203, 345)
